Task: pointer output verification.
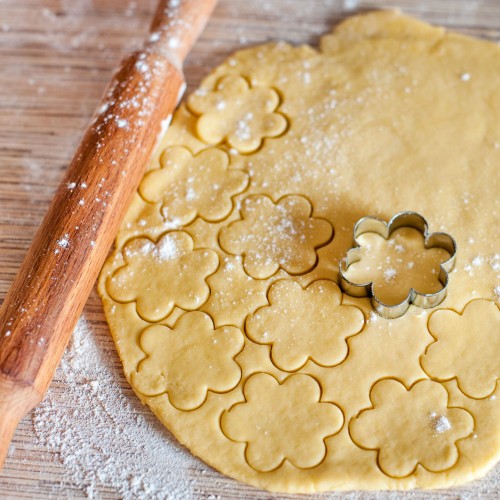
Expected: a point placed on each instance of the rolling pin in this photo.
(47, 296)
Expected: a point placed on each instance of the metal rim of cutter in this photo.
(431, 240)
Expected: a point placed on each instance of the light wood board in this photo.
(56, 57)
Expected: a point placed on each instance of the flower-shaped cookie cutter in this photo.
(431, 240)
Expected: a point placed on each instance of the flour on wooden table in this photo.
(100, 438)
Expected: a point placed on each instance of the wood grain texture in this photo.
(56, 57)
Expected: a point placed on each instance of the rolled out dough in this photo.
(222, 292)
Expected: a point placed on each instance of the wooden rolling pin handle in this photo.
(48, 294)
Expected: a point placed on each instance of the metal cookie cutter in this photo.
(431, 240)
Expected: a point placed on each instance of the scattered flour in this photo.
(390, 274)
(478, 262)
(439, 423)
(168, 248)
(101, 439)
(62, 243)
(351, 5)
(495, 262)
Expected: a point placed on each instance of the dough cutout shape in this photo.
(271, 236)
(188, 360)
(159, 275)
(188, 186)
(349, 400)
(466, 347)
(237, 113)
(282, 421)
(410, 427)
(302, 324)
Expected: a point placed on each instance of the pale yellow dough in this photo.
(221, 294)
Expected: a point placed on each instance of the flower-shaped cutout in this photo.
(281, 422)
(237, 113)
(271, 236)
(189, 360)
(188, 186)
(159, 275)
(467, 347)
(411, 427)
(302, 324)
(398, 263)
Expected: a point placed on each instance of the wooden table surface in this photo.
(56, 56)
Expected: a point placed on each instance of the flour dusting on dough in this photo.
(168, 248)
(439, 423)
